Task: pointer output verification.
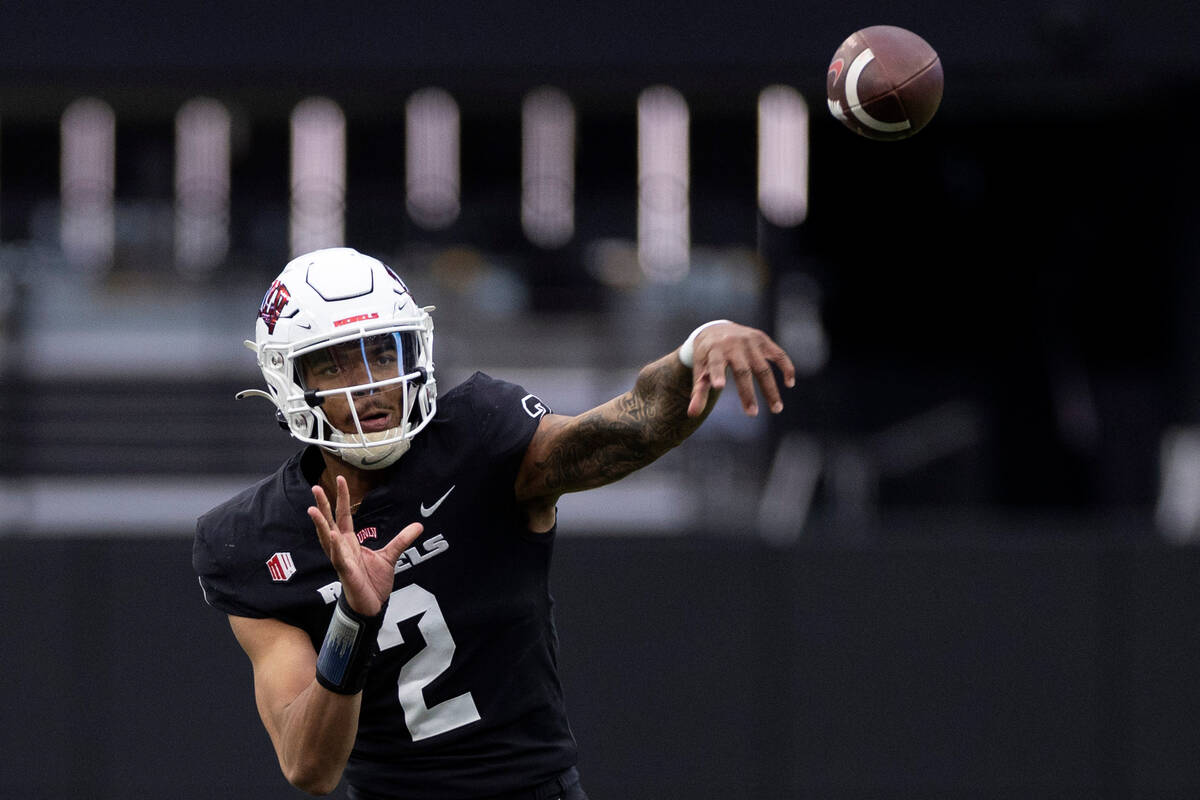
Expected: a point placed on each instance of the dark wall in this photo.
(1002, 667)
(1032, 47)
(1031, 254)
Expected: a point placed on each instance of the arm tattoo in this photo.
(624, 434)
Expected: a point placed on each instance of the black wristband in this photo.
(350, 644)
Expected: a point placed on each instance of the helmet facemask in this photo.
(364, 394)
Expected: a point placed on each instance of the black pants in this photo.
(564, 786)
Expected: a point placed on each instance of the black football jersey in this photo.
(463, 700)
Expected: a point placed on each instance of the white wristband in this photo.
(686, 350)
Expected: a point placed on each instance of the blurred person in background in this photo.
(410, 643)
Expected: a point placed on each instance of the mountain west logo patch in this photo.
(281, 567)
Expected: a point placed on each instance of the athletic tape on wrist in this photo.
(687, 349)
(350, 645)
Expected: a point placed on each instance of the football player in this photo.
(408, 643)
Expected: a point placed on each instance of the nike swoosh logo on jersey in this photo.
(426, 512)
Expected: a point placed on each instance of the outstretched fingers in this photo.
(779, 357)
(345, 522)
(700, 389)
(322, 518)
(749, 356)
(743, 379)
(400, 542)
(762, 358)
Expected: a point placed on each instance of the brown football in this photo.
(884, 82)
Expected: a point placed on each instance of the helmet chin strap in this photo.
(371, 457)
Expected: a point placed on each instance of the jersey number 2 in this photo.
(420, 670)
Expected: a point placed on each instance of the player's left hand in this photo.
(746, 352)
(366, 575)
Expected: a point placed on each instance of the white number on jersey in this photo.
(431, 661)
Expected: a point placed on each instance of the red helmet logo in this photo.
(272, 305)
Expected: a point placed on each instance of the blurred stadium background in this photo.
(961, 564)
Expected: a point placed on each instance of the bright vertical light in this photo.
(548, 167)
(664, 237)
(432, 158)
(318, 182)
(87, 179)
(782, 156)
(202, 185)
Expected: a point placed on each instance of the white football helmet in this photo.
(340, 341)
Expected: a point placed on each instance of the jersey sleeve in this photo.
(220, 578)
(507, 416)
